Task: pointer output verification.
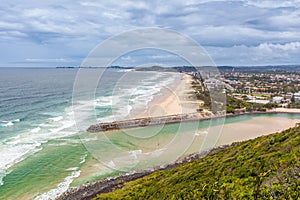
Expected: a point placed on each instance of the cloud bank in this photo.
(52, 33)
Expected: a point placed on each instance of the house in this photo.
(297, 97)
(277, 99)
(258, 101)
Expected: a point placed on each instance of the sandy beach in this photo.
(253, 128)
(179, 99)
(243, 130)
(285, 110)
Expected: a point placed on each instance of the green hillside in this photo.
(263, 168)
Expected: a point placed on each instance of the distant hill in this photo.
(271, 68)
(286, 68)
(156, 68)
(119, 67)
(263, 168)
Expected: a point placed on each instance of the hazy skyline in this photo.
(51, 33)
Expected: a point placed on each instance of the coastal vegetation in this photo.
(267, 167)
(234, 105)
(201, 92)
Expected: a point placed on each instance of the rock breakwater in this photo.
(147, 121)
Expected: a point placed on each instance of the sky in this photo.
(63, 32)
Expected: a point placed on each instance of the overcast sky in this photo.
(62, 33)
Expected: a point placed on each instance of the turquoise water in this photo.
(43, 171)
(42, 150)
(175, 140)
(39, 142)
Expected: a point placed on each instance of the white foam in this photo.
(35, 130)
(17, 148)
(8, 124)
(109, 118)
(201, 133)
(72, 169)
(56, 119)
(83, 158)
(132, 97)
(71, 113)
(155, 153)
(12, 153)
(111, 164)
(61, 188)
(103, 103)
(65, 125)
(45, 125)
(58, 144)
(3, 173)
(135, 153)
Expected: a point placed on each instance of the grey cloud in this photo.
(72, 27)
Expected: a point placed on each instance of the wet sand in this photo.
(256, 127)
(240, 131)
(285, 110)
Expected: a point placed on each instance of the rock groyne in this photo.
(147, 121)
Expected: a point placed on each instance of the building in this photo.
(297, 97)
(259, 101)
(277, 99)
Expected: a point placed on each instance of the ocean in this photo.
(40, 146)
(44, 150)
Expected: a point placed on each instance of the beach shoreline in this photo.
(285, 110)
(177, 98)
